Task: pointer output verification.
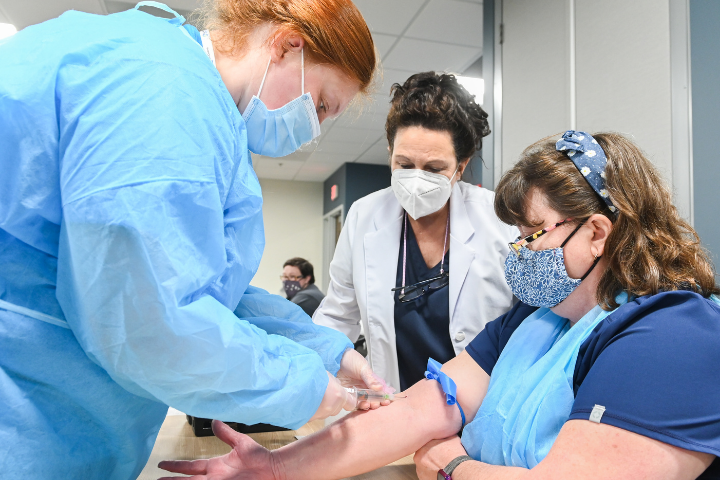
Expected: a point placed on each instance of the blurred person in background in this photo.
(298, 279)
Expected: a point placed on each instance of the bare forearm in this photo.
(472, 470)
(364, 441)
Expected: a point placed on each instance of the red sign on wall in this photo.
(333, 193)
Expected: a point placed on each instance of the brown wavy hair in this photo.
(650, 248)
(334, 31)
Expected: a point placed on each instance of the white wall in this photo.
(622, 73)
(292, 212)
(535, 73)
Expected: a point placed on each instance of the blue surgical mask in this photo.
(538, 278)
(279, 132)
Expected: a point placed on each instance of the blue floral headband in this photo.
(589, 158)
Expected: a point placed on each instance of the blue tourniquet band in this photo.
(448, 385)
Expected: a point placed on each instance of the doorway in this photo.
(332, 226)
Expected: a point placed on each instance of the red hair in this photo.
(334, 30)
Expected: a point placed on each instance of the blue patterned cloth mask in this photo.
(538, 278)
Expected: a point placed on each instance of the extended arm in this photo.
(362, 441)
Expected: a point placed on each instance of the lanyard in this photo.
(442, 261)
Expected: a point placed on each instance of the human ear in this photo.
(601, 227)
(461, 167)
(284, 42)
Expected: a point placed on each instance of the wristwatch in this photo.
(445, 473)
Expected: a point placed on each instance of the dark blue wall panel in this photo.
(705, 64)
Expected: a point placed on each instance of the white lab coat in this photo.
(364, 268)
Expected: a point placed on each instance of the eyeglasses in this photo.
(417, 290)
(519, 243)
(292, 279)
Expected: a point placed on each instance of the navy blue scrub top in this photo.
(422, 326)
(654, 364)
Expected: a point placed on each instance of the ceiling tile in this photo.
(116, 6)
(420, 55)
(383, 43)
(449, 21)
(345, 134)
(3, 17)
(388, 17)
(346, 147)
(276, 168)
(315, 174)
(189, 5)
(377, 154)
(319, 158)
(390, 77)
(373, 118)
(298, 156)
(320, 166)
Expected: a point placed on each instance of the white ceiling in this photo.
(410, 35)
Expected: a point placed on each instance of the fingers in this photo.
(225, 433)
(334, 400)
(372, 405)
(371, 380)
(350, 402)
(187, 467)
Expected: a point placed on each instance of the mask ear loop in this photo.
(597, 258)
(302, 65)
(264, 77)
(302, 81)
(571, 235)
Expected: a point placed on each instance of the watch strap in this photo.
(450, 468)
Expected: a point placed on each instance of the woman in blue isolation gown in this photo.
(131, 227)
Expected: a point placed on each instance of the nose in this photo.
(322, 116)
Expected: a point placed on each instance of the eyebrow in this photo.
(430, 163)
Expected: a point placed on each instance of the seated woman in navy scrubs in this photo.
(607, 368)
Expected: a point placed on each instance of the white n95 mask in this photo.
(279, 132)
(419, 192)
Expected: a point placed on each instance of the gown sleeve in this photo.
(161, 234)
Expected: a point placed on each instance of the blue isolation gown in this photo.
(130, 228)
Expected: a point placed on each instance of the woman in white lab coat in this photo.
(431, 233)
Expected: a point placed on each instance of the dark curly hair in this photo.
(437, 101)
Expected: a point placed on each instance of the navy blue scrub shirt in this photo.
(422, 326)
(654, 364)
